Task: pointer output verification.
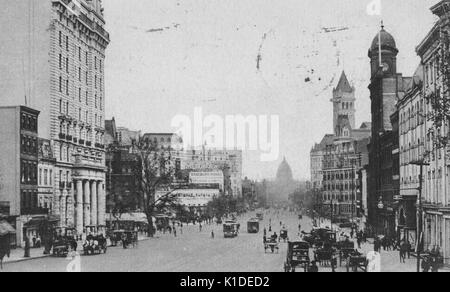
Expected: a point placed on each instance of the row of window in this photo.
(338, 186)
(64, 42)
(81, 133)
(64, 108)
(65, 87)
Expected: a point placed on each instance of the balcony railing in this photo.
(81, 142)
(62, 136)
(88, 143)
(69, 138)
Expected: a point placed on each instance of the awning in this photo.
(6, 228)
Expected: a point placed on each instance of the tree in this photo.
(155, 177)
(120, 202)
(439, 97)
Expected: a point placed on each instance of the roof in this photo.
(441, 8)
(326, 140)
(366, 125)
(387, 40)
(343, 84)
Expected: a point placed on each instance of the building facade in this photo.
(412, 135)
(59, 70)
(340, 156)
(227, 161)
(436, 199)
(19, 168)
(387, 86)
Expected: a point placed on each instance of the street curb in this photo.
(25, 259)
(43, 256)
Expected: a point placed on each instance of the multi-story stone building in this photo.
(316, 158)
(55, 62)
(435, 195)
(340, 156)
(228, 161)
(19, 167)
(386, 88)
(46, 168)
(412, 135)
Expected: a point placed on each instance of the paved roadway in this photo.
(195, 251)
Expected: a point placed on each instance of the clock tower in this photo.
(384, 47)
(387, 86)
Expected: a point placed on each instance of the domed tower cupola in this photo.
(384, 47)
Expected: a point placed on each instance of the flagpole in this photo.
(379, 43)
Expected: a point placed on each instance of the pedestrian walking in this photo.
(174, 232)
(426, 265)
(402, 253)
(27, 247)
(212, 234)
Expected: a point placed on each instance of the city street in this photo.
(196, 251)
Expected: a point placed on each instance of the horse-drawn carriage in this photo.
(271, 244)
(64, 241)
(95, 245)
(357, 260)
(284, 235)
(297, 256)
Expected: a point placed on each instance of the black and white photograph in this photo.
(225, 136)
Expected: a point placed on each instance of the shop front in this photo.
(406, 220)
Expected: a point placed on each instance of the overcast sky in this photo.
(167, 57)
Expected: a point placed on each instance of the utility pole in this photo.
(421, 163)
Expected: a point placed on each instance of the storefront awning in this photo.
(6, 228)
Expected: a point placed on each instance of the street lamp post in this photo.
(419, 211)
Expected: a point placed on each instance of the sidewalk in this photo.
(38, 253)
(17, 255)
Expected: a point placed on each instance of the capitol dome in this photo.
(284, 172)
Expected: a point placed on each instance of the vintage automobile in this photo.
(95, 245)
(64, 241)
(297, 256)
(253, 226)
(230, 229)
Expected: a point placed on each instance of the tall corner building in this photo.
(52, 58)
